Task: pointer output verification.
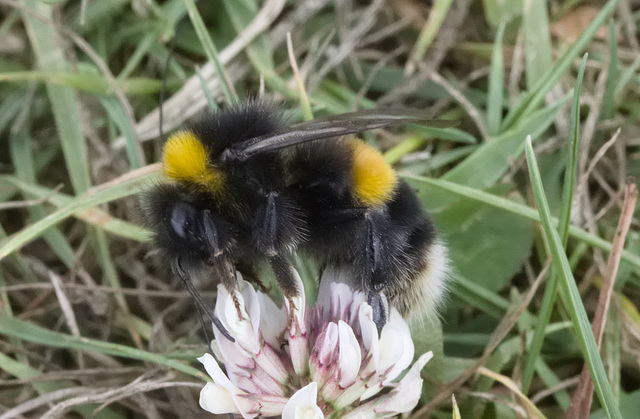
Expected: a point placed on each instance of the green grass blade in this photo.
(429, 31)
(532, 99)
(10, 326)
(50, 56)
(537, 40)
(29, 233)
(627, 75)
(563, 230)
(569, 288)
(21, 149)
(489, 163)
(23, 371)
(495, 96)
(609, 97)
(94, 216)
(211, 101)
(516, 208)
(117, 115)
(211, 51)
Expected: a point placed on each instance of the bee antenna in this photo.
(203, 307)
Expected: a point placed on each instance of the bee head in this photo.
(184, 225)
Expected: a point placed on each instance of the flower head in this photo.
(302, 362)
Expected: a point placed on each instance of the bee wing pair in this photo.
(331, 127)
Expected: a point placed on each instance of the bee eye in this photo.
(183, 220)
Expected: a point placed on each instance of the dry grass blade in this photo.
(583, 394)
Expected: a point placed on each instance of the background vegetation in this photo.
(90, 326)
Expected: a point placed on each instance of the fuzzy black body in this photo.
(390, 248)
(242, 187)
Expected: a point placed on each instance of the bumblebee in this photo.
(242, 187)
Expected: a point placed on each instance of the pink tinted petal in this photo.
(405, 396)
(349, 357)
(231, 352)
(302, 405)
(267, 405)
(396, 347)
(270, 362)
(220, 380)
(323, 354)
(329, 344)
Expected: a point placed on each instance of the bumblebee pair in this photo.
(243, 187)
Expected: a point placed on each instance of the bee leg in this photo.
(380, 306)
(202, 306)
(284, 274)
(219, 260)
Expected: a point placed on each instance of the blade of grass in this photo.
(117, 115)
(609, 97)
(532, 99)
(627, 75)
(126, 188)
(537, 40)
(516, 208)
(211, 101)
(428, 33)
(94, 215)
(495, 95)
(64, 106)
(489, 163)
(10, 326)
(21, 150)
(574, 302)
(212, 53)
(22, 370)
(563, 230)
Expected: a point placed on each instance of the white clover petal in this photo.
(396, 347)
(238, 324)
(350, 357)
(220, 388)
(217, 400)
(250, 299)
(231, 354)
(369, 333)
(302, 405)
(329, 277)
(405, 396)
(273, 320)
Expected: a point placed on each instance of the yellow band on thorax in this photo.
(372, 179)
(184, 158)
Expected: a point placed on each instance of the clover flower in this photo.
(301, 362)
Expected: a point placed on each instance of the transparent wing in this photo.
(332, 126)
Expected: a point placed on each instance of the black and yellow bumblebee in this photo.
(242, 187)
